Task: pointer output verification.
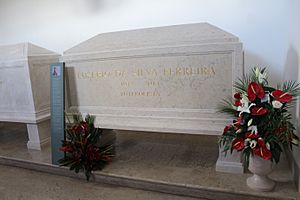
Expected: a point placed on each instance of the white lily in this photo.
(260, 76)
(253, 129)
(245, 107)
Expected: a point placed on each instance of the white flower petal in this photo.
(253, 129)
(253, 143)
(294, 141)
(266, 98)
(239, 131)
(268, 145)
(276, 104)
(250, 122)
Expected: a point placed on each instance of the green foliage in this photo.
(227, 107)
(292, 87)
(241, 85)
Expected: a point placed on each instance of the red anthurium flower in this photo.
(251, 135)
(255, 90)
(236, 128)
(258, 110)
(238, 143)
(76, 155)
(262, 150)
(84, 125)
(226, 129)
(237, 103)
(266, 154)
(261, 142)
(281, 96)
(93, 154)
(81, 127)
(66, 148)
(239, 120)
(238, 95)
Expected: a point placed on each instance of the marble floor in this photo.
(174, 158)
(32, 185)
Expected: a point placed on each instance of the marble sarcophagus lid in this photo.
(25, 89)
(168, 79)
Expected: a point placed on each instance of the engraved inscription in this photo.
(153, 73)
(187, 81)
(140, 72)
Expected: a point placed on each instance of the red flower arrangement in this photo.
(263, 126)
(82, 149)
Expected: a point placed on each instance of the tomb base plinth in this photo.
(38, 135)
(229, 162)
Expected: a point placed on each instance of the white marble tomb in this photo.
(25, 89)
(164, 79)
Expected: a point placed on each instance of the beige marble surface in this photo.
(163, 79)
(170, 158)
(25, 89)
(32, 185)
(25, 82)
